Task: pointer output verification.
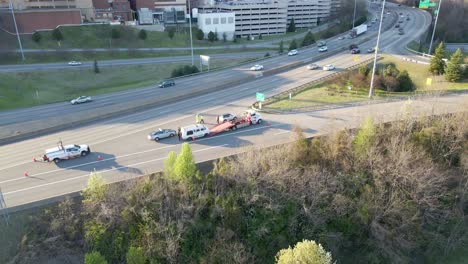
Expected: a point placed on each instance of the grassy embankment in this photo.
(329, 92)
(19, 88)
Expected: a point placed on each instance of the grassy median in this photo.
(23, 89)
(330, 92)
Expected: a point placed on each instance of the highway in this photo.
(126, 153)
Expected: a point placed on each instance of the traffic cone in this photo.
(193, 139)
(268, 123)
(99, 157)
(34, 160)
(26, 174)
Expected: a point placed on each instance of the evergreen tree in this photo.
(184, 167)
(142, 34)
(199, 34)
(36, 37)
(96, 67)
(305, 252)
(260, 36)
(454, 69)
(308, 39)
(57, 34)
(171, 33)
(437, 64)
(406, 84)
(211, 36)
(291, 26)
(281, 47)
(293, 45)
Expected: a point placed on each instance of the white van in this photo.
(194, 131)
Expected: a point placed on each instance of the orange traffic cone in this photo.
(268, 124)
(99, 157)
(193, 139)
(34, 160)
(26, 174)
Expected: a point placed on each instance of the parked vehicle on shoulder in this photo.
(61, 152)
(166, 83)
(329, 67)
(161, 134)
(256, 67)
(225, 117)
(323, 49)
(74, 63)
(293, 52)
(355, 51)
(312, 66)
(194, 131)
(81, 100)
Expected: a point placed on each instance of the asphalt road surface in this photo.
(126, 152)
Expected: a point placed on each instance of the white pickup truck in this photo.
(65, 152)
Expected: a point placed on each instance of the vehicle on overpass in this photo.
(61, 152)
(161, 134)
(323, 49)
(329, 67)
(81, 100)
(256, 67)
(293, 52)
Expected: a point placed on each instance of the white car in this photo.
(323, 49)
(329, 67)
(256, 67)
(81, 99)
(312, 66)
(74, 63)
(341, 38)
(292, 52)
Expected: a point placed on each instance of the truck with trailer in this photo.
(247, 118)
(356, 31)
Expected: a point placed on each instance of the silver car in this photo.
(161, 134)
(81, 99)
(226, 117)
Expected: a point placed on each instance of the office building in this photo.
(217, 21)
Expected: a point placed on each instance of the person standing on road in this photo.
(179, 134)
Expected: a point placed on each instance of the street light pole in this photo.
(371, 90)
(190, 25)
(435, 25)
(354, 15)
(17, 33)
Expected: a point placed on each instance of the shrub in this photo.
(293, 45)
(94, 258)
(57, 34)
(405, 82)
(36, 37)
(171, 32)
(211, 36)
(142, 34)
(116, 33)
(199, 34)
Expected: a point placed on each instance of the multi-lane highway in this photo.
(126, 153)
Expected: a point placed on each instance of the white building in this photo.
(217, 21)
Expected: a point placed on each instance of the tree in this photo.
(454, 69)
(293, 45)
(211, 36)
(95, 189)
(260, 36)
(96, 67)
(216, 35)
(364, 70)
(184, 167)
(305, 252)
(308, 39)
(135, 255)
(291, 26)
(199, 34)
(115, 33)
(405, 82)
(169, 164)
(224, 37)
(171, 32)
(437, 64)
(94, 258)
(36, 37)
(142, 34)
(365, 137)
(281, 47)
(57, 34)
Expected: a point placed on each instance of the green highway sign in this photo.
(260, 97)
(426, 4)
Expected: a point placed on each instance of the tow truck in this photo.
(247, 118)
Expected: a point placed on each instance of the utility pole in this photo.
(435, 25)
(190, 25)
(371, 90)
(354, 15)
(16, 28)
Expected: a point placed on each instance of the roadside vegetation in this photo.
(384, 193)
(394, 78)
(23, 89)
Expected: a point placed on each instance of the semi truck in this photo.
(356, 31)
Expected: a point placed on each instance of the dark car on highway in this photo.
(353, 46)
(166, 83)
(355, 51)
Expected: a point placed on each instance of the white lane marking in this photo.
(103, 171)
(284, 132)
(141, 152)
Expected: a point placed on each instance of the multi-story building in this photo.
(218, 22)
(308, 13)
(85, 6)
(164, 11)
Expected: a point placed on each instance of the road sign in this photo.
(260, 97)
(426, 4)
(428, 81)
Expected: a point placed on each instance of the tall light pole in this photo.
(190, 25)
(371, 90)
(354, 15)
(435, 25)
(16, 28)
